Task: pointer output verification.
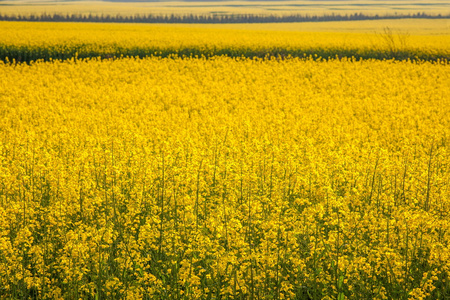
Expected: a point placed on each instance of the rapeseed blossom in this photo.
(195, 178)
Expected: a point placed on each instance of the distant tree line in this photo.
(211, 18)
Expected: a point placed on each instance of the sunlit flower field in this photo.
(225, 178)
(399, 39)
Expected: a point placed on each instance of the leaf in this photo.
(340, 282)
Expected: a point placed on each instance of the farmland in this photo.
(312, 7)
(401, 39)
(197, 162)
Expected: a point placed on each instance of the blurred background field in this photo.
(420, 39)
(225, 7)
(406, 26)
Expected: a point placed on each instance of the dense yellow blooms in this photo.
(224, 178)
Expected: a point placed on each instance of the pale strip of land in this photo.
(371, 7)
(399, 26)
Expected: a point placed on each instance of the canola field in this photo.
(224, 178)
(401, 39)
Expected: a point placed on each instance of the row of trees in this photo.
(211, 18)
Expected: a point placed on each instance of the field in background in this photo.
(402, 26)
(226, 7)
(414, 39)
